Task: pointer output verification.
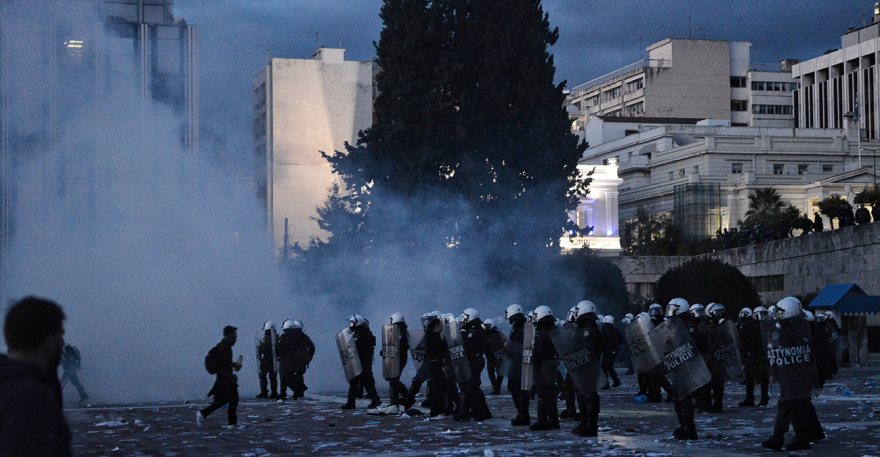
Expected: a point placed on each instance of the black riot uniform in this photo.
(365, 343)
(268, 376)
(493, 361)
(589, 404)
(546, 366)
(684, 405)
(295, 351)
(755, 366)
(473, 401)
(712, 394)
(514, 381)
(436, 353)
(611, 341)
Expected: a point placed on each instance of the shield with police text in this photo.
(455, 343)
(834, 335)
(724, 348)
(351, 362)
(512, 364)
(417, 350)
(644, 355)
(390, 351)
(790, 356)
(528, 371)
(578, 357)
(496, 346)
(680, 361)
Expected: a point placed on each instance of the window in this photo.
(615, 113)
(757, 85)
(737, 81)
(827, 168)
(671, 176)
(681, 173)
(612, 93)
(696, 169)
(778, 168)
(593, 101)
(633, 86)
(736, 167)
(802, 168)
(635, 109)
(772, 109)
(739, 105)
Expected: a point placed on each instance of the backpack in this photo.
(212, 362)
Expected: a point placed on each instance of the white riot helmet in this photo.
(298, 325)
(530, 314)
(427, 319)
(771, 312)
(608, 320)
(697, 310)
(489, 324)
(356, 320)
(821, 317)
(716, 310)
(655, 310)
(268, 325)
(287, 324)
(745, 312)
(512, 311)
(629, 316)
(788, 307)
(809, 315)
(543, 313)
(677, 306)
(761, 313)
(585, 308)
(625, 321)
(396, 317)
(572, 314)
(469, 315)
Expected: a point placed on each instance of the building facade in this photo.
(63, 63)
(690, 79)
(702, 174)
(597, 213)
(301, 108)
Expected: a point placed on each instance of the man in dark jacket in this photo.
(71, 362)
(31, 421)
(365, 343)
(295, 351)
(225, 388)
(546, 365)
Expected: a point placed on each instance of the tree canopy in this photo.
(707, 280)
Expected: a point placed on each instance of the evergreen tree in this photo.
(708, 280)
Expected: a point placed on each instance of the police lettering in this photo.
(790, 356)
(527, 356)
(418, 354)
(639, 347)
(725, 353)
(457, 352)
(577, 359)
(679, 356)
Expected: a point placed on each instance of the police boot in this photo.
(765, 395)
(783, 418)
(521, 401)
(588, 426)
(553, 414)
(542, 423)
(684, 410)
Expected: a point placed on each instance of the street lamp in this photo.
(874, 167)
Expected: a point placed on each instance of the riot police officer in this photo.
(266, 356)
(436, 353)
(546, 365)
(684, 405)
(611, 341)
(495, 354)
(517, 318)
(714, 390)
(755, 369)
(585, 318)
(295, 352)
(398, 391)
(473, 402)
(365, 343)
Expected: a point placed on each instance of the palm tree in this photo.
(764, 202)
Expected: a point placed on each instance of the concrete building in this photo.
(61, 63)
(702, 174)
(842, 82)
(303, 107)
(690, 79)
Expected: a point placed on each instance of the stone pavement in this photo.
(316, 426)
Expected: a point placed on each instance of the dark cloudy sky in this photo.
(596, 37)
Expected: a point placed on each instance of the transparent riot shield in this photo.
(681, 361)
(790, 356)
(390, 351)
(724, 347)
(274, 353)
(835, 335)
(257, 345)
(528, 371)
(452, 336)
(417, 346)
(577, 357)
(644, 355)
(351, 362)
(495, 345)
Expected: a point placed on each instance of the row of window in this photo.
(779, 168)
(771, 109)
(776, 86)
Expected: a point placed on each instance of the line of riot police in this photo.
(285, 358)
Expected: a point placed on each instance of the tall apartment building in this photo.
(842, 83)
(690, 79)
(62, 61)
(303, 107)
